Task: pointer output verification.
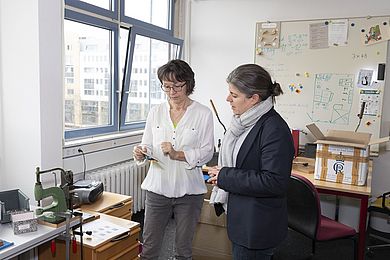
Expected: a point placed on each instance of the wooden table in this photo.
(124, 246)
(359, 192)
(113, 204)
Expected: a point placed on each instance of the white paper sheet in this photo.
(338, 32)
(102, 231)
(318, 36)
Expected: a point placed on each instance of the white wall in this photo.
(1, 104)
(50, 20)
(31, 88)
(222, 36)
(31, 108)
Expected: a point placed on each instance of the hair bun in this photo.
(276, 89)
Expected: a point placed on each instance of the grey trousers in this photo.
(158, 211)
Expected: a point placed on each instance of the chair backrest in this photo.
(303, 205)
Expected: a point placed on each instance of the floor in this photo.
(295, 247)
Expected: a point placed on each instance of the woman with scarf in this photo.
(254, 166)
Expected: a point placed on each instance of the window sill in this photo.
(100, 138)
(100, 143)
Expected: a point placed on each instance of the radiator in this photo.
(123, 178)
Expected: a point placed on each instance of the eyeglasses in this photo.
(176, 88)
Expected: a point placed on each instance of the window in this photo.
(150, 54)
(149, 11)
(101, 3)
(108, 84)
(69, 112)
(89, 112)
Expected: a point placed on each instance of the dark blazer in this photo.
(257, 208)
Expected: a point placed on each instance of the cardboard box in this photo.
(209, 189)
(208, 216)
(342, 156)
(211, 242)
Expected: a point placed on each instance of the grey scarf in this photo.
(238, 126)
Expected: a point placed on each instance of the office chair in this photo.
(380, 205)
(304, 215)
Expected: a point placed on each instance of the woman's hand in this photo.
(137, 153)
(213, 173)
(167, 149)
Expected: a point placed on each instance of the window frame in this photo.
(82, 12)
(138, 23)
(128, 68)
(113, 27)
(113, 14)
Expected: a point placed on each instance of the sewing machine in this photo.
(61, 196)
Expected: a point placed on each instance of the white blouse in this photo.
(194, 135)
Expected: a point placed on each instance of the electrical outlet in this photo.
(71, 151)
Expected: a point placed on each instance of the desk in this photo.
(27, 241)
(359, 192)
(124, 247)
(113, 204)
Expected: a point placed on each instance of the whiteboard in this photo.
(325, 85)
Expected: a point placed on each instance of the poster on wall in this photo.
(375, 33)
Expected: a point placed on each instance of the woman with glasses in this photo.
(254, 166)
(179, 136)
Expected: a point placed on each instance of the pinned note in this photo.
(268, 35)
(338, 32)
(365, 77)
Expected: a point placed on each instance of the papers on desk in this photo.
(102, 231)
(5, 244)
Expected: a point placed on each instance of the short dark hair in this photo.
(253, 79)
(178, 70)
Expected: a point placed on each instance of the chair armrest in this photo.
(384, 200)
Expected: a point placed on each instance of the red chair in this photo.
(382, 206)
(304, 215)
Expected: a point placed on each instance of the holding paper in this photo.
(178, 133)
(151, 157)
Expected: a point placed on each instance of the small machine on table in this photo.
(64, 197)
(61, 198)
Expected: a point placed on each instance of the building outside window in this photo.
(108, 60)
